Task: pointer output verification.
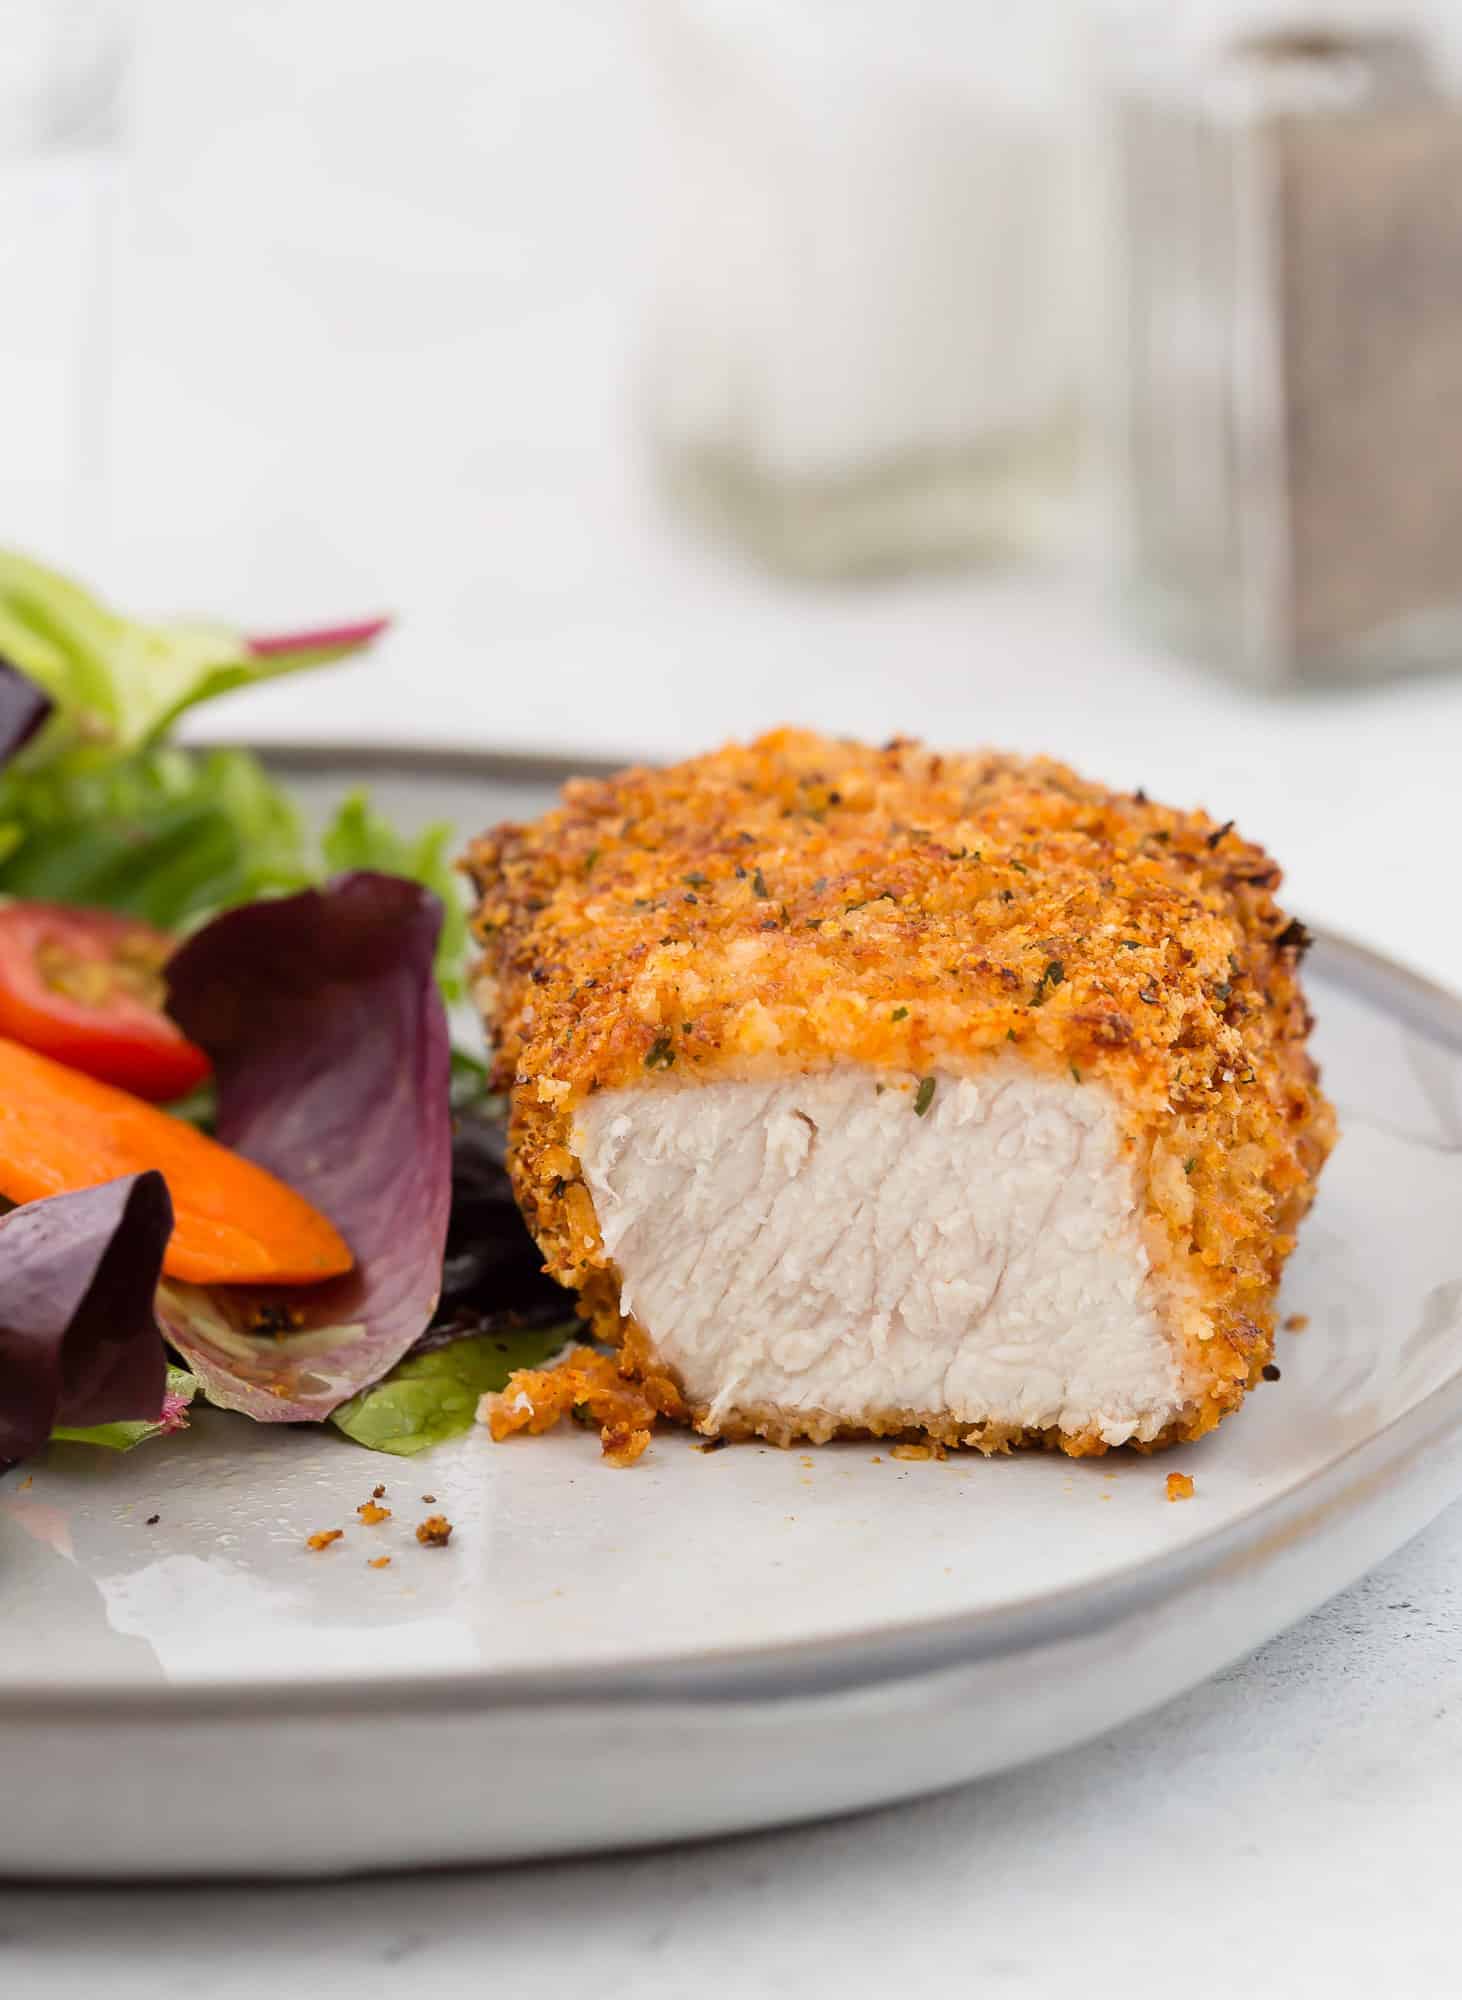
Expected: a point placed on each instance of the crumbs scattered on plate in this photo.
(434, 1532)
(1180, 1486)
(378, 1562)
(1297, 1322)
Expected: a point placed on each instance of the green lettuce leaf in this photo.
(118, 684)
(358, 837)
(472, 1092)
(181, 1389)
(433, 1396)
(100, 809)
(171, 836)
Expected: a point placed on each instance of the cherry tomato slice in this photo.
(85, 987)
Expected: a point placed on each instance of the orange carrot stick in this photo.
(234, 1223)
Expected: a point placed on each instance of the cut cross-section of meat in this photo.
(806, 1252)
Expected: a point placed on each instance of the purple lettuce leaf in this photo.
(329, 1043)
(23, 708)
(79, 1339)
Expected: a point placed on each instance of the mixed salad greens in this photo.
(232, 1122)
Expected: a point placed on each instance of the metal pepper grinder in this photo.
(1285, 406)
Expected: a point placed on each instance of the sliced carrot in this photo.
(234, 1224)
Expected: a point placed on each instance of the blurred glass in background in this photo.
(927, 264)
(865, 340)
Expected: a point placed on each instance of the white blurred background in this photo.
(318, 307)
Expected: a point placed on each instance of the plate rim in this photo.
(848, 1662)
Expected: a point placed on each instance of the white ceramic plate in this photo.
(710, 1642)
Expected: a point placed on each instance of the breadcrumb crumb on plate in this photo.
(583, 1380)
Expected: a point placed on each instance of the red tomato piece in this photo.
(85, 987)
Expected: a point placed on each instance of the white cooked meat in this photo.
(813, 1245)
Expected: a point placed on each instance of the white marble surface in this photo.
(374, 316)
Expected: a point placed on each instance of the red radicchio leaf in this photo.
(79, 1340)
(23, 708)
(328, 1038)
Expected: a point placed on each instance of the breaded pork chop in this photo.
(887, 1091)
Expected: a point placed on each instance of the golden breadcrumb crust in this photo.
(535, 1399)
(801, 902)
